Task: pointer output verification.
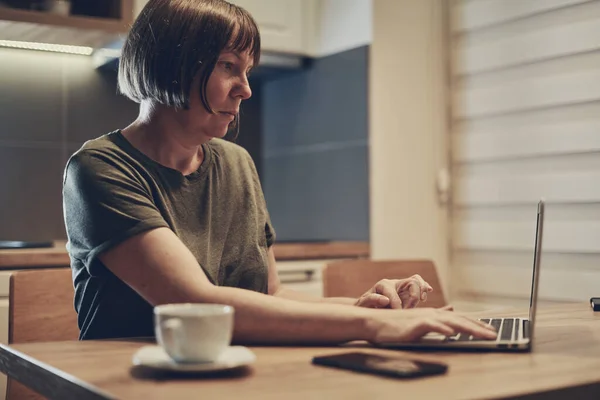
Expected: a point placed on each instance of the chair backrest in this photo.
(40, 310)
(41, 306)
(352, 278)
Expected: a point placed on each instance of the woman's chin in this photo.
(222, 134)
(218, 133)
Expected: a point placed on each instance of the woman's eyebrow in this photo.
(237, 55)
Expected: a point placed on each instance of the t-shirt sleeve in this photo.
(104, 203)
(269, 229)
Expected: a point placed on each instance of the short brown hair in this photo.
(173, 40)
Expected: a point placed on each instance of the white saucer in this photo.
(155, 357)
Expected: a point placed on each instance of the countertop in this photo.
(57, 256)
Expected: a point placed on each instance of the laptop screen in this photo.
(537, 257)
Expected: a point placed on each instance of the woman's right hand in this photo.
(410, 325)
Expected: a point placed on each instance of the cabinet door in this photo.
(302, 275)
(281, 23)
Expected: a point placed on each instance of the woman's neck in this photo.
(159, 135)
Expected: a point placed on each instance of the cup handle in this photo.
(172, 334)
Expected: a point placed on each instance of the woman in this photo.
(165, 211)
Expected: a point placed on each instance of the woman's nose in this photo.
(244, 91)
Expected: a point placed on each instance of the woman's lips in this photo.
(228, 114)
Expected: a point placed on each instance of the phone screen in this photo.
(381, 365)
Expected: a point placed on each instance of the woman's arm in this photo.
(286, 293)
(162, 270)
(397, 293)
(278, 290)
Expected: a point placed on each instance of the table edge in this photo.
(28, 371)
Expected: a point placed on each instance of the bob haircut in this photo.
(172, 41)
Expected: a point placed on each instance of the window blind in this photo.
(525, 124)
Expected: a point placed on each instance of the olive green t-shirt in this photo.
(112, 191)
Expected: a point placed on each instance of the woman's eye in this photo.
(228, 65)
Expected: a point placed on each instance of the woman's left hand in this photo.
(396, 293)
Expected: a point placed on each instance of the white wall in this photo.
(408, 140)
(339, 25)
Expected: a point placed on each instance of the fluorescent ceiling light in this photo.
(57, 48)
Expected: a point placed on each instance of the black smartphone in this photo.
(381, 365)
(595, 303)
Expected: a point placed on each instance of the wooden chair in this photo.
(352, 278)
(40, 310)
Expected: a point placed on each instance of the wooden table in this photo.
(564, 364)
(57, 255)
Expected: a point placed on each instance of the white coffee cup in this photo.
(192, 333)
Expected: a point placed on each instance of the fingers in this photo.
(449, 307)
(404, 293)
(410, 325)
(411, 292)
(467, 325)
(388, 289)
(373, 300)
(426, 287)
(428, 326)
(484, 325)
(414, 289)
(450, 327)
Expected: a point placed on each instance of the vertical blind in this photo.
(525, 85)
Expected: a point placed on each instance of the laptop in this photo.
(514, 334)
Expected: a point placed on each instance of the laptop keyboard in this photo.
(507, 328)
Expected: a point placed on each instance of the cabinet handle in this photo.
(306, 273)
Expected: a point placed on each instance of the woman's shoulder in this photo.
(106, 151)
(105, 144)
(228, 151)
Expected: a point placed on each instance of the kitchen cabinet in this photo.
(302, 275)
(24, 25)
(300, 265)
(312, 28)
(282, 23)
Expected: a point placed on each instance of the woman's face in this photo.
(227, 86)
